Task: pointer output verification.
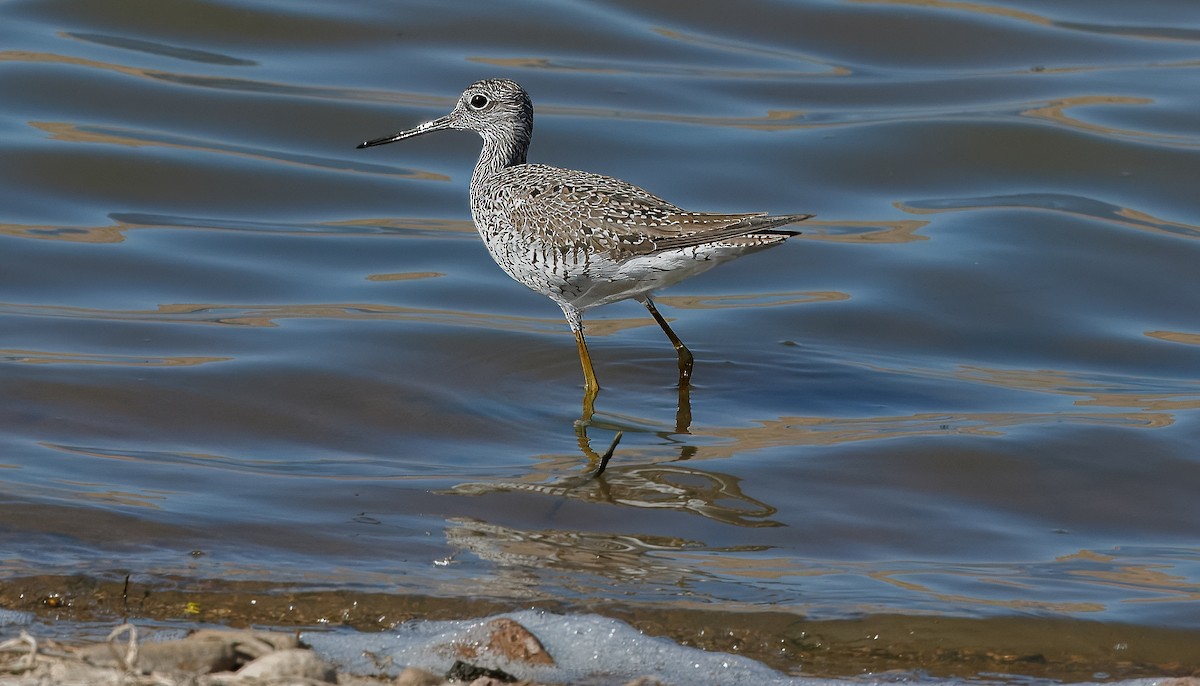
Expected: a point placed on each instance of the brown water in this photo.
(234, 348)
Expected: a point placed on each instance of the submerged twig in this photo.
(607, 455)
(602, 462)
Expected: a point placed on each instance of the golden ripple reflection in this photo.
(1070, 205)
(1057, 111)
(219, 83)
(405, 276)
(72, 133)
(1165, 33)
(47, 357)
(271, 315)
(900, 231)
(1160, 395)
(100, 493)
(899, 579)
(115, 232)
(718, 302)
(801, 431)
(1149, 579)
(1176, 337)
(973, 7)
(821, 68)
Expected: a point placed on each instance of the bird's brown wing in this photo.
(604, 213)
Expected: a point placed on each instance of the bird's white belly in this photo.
(640, 276)
(581, 280)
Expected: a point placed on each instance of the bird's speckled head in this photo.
(499, 110)
(495, 108)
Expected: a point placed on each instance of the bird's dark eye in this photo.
(479, 101)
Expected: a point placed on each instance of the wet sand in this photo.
(1019, 647)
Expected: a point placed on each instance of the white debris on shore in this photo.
(527, 648)
(219, 657)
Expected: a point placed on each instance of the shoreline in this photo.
(1015, 647)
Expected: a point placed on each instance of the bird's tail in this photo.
(767, 224)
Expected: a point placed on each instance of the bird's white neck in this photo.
(499, 154)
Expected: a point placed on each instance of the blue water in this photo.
(234, 347)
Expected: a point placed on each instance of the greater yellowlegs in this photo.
(581, 239)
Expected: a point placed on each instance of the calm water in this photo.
(970, 389)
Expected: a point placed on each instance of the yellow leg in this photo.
(683, 411)
(591, 388)
(685, 355)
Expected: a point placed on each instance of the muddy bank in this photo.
(1056, 648)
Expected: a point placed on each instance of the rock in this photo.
(202, 652)
(249, 644)
(515, 642)
(292, 663)
(466, 672)
(412, 676)
(508, 640)
(204, 658)
(199, 656)
(488, 681)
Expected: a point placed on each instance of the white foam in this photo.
(590, 649)
(586, 648)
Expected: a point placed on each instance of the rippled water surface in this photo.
(233, 346)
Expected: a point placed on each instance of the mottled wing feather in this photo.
(727, 226)
(603, 213)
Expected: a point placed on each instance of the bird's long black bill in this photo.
(435, 125)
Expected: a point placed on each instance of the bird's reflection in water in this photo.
(598, 462)
(663, 486)
(639, 480)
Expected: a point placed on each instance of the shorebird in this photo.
(583, 239)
